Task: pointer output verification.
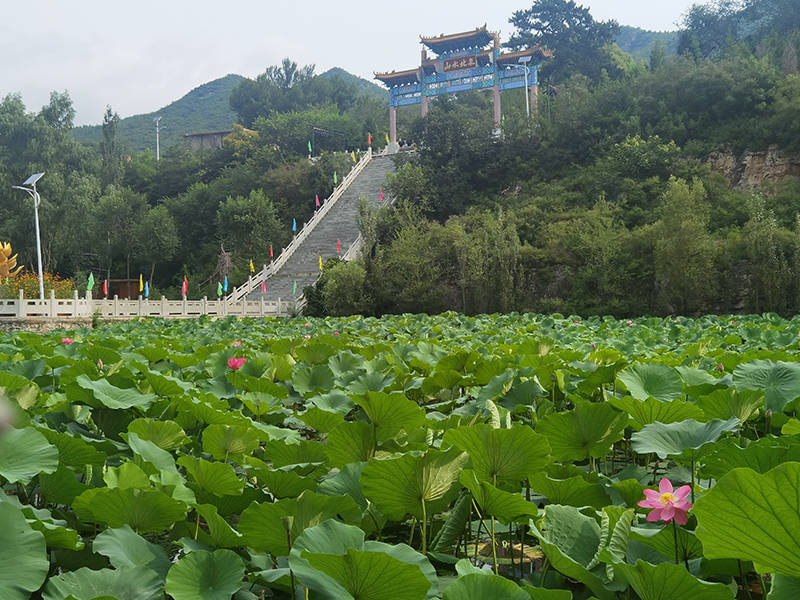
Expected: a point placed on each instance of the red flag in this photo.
(380, 195)
(105, 287)
(270, 250)
(317, 199)
(369, 139)
(185, 286)
(338, 246)
(263, 286)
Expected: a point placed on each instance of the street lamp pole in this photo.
(524, 62)
(158, 130)
(31, 181)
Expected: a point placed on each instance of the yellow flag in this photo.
(353, 156)
(320, 263)
(387, 138)
(252, 268)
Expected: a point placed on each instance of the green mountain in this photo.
(364, 87)
(205, 108)
(640, 42)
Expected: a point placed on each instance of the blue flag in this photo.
(225, 285)
(294, 225)
(146, 290)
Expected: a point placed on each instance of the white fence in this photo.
(142, 307)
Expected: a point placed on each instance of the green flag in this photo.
(335, 178)
(219, 289)
(294, 288)
(90, 283)
(309, 146)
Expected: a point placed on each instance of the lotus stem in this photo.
(424, 529)
(413, 525)
(494, 547)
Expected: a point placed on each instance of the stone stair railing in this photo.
(254, 281)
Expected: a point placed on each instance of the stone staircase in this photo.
(339, 223)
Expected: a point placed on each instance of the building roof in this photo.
(480, 37)
(512, 58)
(399, 77)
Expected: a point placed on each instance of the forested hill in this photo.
(205, 108)
(362, 86)
(639, 42)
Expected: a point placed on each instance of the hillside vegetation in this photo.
(601, 204)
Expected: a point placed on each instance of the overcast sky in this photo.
(140, 55)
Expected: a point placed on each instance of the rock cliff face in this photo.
(752, 169)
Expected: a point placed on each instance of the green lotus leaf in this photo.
(264, 525)
(416, 485)
(346, 482)
(308, 380)
(314, 352)
(350, 442)
(203, 575)
(570, 541)
(477, 586)
(730, 402)
(220, 533)
(652, 380)
(760, 456)
(371, 381)
(305, 452)
(501, 456)
(144, 510)
(761, 510)
(122, 584)
(502, 505)
(588, 430)
(784, 588)
(216, 478)
(166, 385)
(389, 413)
(74, 451)
(572, 491)
(152, 458)
(284, 484)
(320, 420)
(537, 593)
(115, 397)
(780, 381)
(674, 438)
(23, 555)
(371, 575)
(230, 441)
(333, 401)
(449, 535)
(644, 412)
(125, 548)
(24, 453)
(127, 475)
(667, 581)
(165, 434)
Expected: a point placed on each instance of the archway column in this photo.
(393, 124)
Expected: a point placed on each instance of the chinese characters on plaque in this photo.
(456, 64)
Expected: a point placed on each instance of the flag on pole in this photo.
(316, 198)
(353, 156)
(270, 250)
(320, 263)
(252, 268)
(219, 289)
(309, 147)
(294, 287)
(225, 285)
(387, 137)
(263, 286)
(90, 283)
(141, 283)
(335, 178)
(146, 289)
(369, 139)
(294, 225)
(338, 246)
(380, 196)
(105, 287)
(184, 286)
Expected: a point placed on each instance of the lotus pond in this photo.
(406, 458)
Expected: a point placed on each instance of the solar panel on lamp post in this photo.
(31, 181)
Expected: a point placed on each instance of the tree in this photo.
(112, 155)
(571, 32)
(248, 225)
(343, 292)
(289, 74)
(157, 237)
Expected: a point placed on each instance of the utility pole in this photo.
(157, 121)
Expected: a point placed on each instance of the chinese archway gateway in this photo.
(464, 61)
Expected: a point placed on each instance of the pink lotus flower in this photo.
(99, 364)
(236, 363)
(335, 333)
(307, 324)
(667, 504)
(308, 337)
(67, 341)
(237, 343)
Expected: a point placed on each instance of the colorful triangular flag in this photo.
(338, 246)
(320, 263)
(146, 289)
(380, 196)
(335, 178)
(387, 138)
(369, 139)
(353, 156)
(184, 286)
(252, 268)
(309, 147)
(316, 199)
(270, 250)
(141, 283)
(263, 286)
(90, 283)
(225, 285)
(219, 289)
(105, 287)
(294, 287)
(294, 224)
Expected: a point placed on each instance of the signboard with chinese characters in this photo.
(456, 64)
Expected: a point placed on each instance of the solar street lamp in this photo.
(31, 181)
(524, 60)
